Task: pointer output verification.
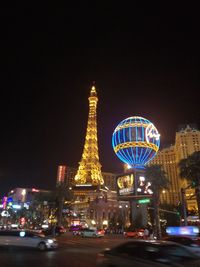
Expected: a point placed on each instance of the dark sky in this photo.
(144, 59)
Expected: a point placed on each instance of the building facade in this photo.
(167, 158)
(66, 174)
(187, 141)
(22, 195)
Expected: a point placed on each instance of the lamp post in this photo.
(122, 213)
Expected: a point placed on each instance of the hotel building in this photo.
(187, 141)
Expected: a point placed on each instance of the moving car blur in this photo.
(188, 236)
(143, 253)
(23, 238)
(191, 244)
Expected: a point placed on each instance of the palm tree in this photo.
(159, 181)
(62, 193)
(38, 201)
(190, 170)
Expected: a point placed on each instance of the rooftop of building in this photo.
(187, 127)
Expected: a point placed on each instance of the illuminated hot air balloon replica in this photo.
(136, 141)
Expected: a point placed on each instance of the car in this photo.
(78, 232)
(134, 233)
(91, 233)
(54, 231)
(193, 244)
(144, 253)
(24, 238)
(101, 231)
(60, 230)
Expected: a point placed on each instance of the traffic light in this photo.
(193, 184)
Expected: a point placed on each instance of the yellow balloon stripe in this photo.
(136, 144)
(133, 124)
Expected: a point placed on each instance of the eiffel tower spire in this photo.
(89, 171)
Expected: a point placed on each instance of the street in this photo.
(73, 251)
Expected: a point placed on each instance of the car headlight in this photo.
(50, 241)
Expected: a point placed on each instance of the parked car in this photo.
(22, 238)
(134, 233)
(144, 253)
(54, 230)
(193, 244)
(92, 233)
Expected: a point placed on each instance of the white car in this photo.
(23, 238)
(92, 233)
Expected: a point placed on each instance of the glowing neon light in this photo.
(143, 201)
(151, 132)
(22, 234)
(4, 202)
(135, 144)
(16, 206)
(136, 141)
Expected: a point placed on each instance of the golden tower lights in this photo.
(89, 171)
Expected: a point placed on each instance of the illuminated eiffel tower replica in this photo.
(89, 179)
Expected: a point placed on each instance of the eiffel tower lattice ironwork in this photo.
(89, 171)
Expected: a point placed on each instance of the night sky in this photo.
(144, 59)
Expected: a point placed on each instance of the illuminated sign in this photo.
(16, 206)
(10, 199)
(133, 184)
(61, 173)
(151, 132)
(125, 181)
(143, 201)
(22, 234)
(125, 184)
(183, 230)
(4, 202)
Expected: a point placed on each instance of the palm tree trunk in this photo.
(157, 216)
(60, 209)
(197, 192)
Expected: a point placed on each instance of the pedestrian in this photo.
(151, 233)
(146, 233)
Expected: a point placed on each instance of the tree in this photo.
(62, 193)
(138, 221)
(38, 209)
(170, 213)
(159, 181)
(190, 170)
